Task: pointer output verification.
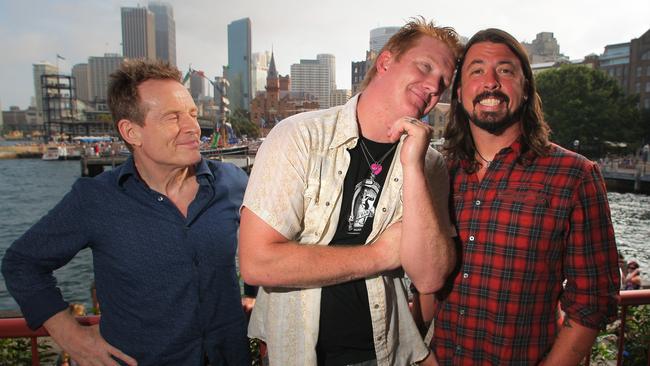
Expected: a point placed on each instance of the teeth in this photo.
(490, 102)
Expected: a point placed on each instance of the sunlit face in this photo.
(415, 82)
(492, 86)
(170, 134)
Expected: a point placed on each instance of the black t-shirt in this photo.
(345, 334)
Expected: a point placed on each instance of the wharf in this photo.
(95, 165)
(627, 179)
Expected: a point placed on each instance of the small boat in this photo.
(62, 153)
(51, 153)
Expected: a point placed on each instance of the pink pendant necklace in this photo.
(375, 166)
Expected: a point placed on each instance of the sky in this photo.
(32, 31)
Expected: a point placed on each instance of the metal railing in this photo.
(17, 327)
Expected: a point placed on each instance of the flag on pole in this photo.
(60, 57)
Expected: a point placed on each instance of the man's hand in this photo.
(387, 246)
(416, 143)
(85, 345)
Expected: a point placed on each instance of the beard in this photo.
(493, 122)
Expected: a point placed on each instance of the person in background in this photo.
(530, 217)
(162, 228)
(633, 276)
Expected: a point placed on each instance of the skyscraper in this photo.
(165, 31)
(99, 68)
(316, 77)
(259, 68)
(379, 37)
(239, 64)
(39, 69)
(138, 33)
(80, 73)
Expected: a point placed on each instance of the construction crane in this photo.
(220, 133)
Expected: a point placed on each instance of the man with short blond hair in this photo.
(327, 182)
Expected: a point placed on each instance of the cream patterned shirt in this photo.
(296, 187)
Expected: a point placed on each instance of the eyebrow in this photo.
(480, 61)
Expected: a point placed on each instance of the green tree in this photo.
(584, 104)
(242, 125)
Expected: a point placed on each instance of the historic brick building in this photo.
(278, 102)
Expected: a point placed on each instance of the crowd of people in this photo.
(497, 232)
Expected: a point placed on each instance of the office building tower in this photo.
(99, 69)
(379, 37)
(80, 73)
(316, 77)
(197, 85)
(640, 69)
(40, 69)
(238, 71)
(260, 67)
(339, 97)
(165, 30)
(138, 33)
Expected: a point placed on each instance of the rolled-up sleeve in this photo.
(591, 260)
(29, 263)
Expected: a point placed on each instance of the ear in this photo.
(384, 60)
(130, 132)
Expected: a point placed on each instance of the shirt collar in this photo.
(128, 170)
(347, 128)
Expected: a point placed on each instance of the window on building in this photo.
(637, 87)
(646, 55)
(619, 71)
(647, 87)
(647, 71)
(638, 71)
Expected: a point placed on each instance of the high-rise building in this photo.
(260, 67)
(238, 72)
(544, 48)
(316, 77)
(99, 69)
(640, 69)
(379, 37)
(339, 97)
(165, 31)
(197, 85)
(138, 33)
(615, 61)
(40, 69)
(80, 73)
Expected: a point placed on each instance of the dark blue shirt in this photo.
(167, 284)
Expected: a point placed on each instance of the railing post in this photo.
(35, 359)
(621, 336)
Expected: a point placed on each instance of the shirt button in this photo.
(471, 238)
(477, 203)
(376, 306)
(458, 349)
(383, 209)
(340, 172)
(379, 338)
(327, 203)
(160, 198)
(462, 312)
(396, 180)
(465, 275)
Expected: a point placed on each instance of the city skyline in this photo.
(37, 30)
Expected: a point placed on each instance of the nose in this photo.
(490, 81)
(189, 124)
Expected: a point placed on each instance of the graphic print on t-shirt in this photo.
(363, 204)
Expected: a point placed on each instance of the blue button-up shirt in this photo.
(167, 284)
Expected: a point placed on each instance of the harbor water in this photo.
(30, 187)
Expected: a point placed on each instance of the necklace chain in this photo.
(488, 162)
(375, 166)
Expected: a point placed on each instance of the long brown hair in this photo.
(458, 139)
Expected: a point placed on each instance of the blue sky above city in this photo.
(32, 31)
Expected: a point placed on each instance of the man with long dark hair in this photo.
(530, 216)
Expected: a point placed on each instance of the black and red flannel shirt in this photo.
(528, 225)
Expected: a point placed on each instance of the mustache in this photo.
(491, 94)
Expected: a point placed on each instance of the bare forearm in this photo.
(572, 344)
(426, 252)
(296, 265)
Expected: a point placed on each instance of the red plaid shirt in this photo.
(528, 225)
